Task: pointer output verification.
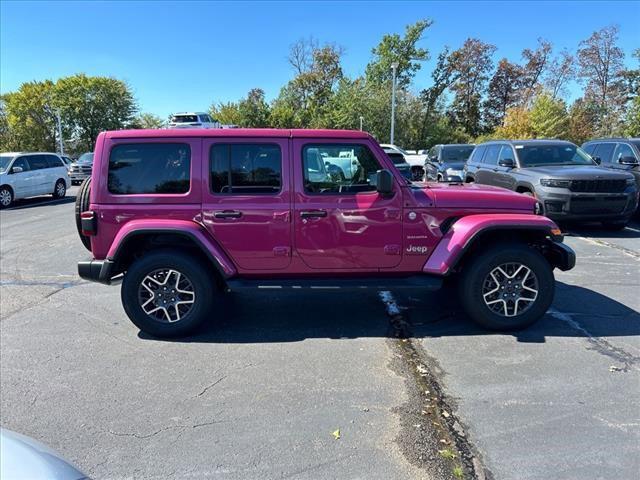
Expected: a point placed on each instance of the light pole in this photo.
(59, 123)
(394, 67)
(361, 119)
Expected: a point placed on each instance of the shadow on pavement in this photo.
(293, 317)
(40, 202)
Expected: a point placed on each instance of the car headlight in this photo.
(555, 183)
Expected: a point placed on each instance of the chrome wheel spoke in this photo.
(166, 295)
(510, 289)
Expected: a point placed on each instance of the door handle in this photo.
(227, 214)
(313, 213)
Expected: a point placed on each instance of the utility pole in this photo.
(59, 123)
(394, 67)
(361, 119)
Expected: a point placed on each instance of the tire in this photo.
(476, 283)
(614, 226)
(6, 197)
(82, 205)
(134, 294)
(60, 189)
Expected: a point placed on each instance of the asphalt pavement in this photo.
(261, 393)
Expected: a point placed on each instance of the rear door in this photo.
(39, 167)
(344, 224)
(487, 173)
(246, 203)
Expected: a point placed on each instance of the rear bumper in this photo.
(561, 256)
(96, 271)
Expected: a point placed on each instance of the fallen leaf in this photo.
(445, 414)
(336, 434)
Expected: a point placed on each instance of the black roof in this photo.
(613, 139)
(539, 141)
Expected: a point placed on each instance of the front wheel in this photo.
(509, 287)
(167, 293)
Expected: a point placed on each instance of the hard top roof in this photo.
(237, 132)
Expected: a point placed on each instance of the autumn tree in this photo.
(535, 63)
(561, 70)
(503, 93)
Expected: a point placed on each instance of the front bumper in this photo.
(77, 177)
(96, 271)
(561, 256)
(562, 204)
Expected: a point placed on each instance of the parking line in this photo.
(603, 243)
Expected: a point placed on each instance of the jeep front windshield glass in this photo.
(542, 155)
(5, 160)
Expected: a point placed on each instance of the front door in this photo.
(246, 204)
(24, 182)
(340, 223)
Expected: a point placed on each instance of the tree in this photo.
(536, 61)
(403, 50)
(548, 117)
(632, 123)
(254, 110)
(148, 121)
(90, 105)
(503, 93)
(472, 64)
(561, 70)
(226, 113)
(583, 116)
(517, 125)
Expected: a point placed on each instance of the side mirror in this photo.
(598, 160)
(507, 162)
(16, 169)
(384, 182)
(628, 161)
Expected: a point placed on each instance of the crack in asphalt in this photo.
(163, 429)
(211, 386)
(432, 437)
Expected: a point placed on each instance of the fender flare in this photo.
(526, 185)
(463, 232)
(189, 229)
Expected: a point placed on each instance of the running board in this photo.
(422, 282)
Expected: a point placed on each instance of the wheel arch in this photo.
(522, 187)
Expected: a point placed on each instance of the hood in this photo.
(574, 172)
(471, 195)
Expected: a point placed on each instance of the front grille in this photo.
(598, 186)
(598, 205)
(81, 169)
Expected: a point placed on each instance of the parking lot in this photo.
(261, 393)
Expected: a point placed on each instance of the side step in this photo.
(421, 282)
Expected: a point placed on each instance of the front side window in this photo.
(246, 168)
(156, 168)
(506, 153)
(561, 154)
(22, 163)
(339, 168)
(623, 150)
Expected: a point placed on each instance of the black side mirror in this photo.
(384, 182)
(628, 161)
(598, 160)
(507, 162)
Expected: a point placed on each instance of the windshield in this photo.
(396, 158)
(184, 118)
(636, 143)
(456, 154)
(541, 155)
(86, 158)
(5, 160)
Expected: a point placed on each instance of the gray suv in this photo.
(568, 183)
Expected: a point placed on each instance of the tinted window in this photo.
(590, 148)
(149, 168)
(506, 153)
(53, 161)
(339, 168)
(456, 154)
(38, 162)
(184, 118)
(23, 163)
(560, 154)
(245, 168)
(623, 150)
(636, 143)
(477, 154)
(604, 151)
(491, 157)
(205, 118)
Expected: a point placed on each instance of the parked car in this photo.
(81, 169)
(25, 175)
(445, 163)
(268, 216)
(617, 154)
(564, 178)
(192, 120)
(415, 160)
(68, 161)
(23, 458)
(400, 163)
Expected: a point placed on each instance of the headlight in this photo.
(555, 183)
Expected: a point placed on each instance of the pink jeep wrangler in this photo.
(184, 216)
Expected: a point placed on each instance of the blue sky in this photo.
(185, 55)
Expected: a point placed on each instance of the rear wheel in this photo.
(167, 293)
(509, 287)
(82, 205)
(60, 189)
(6, 197)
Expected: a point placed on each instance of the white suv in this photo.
(193, 120)
(29, 174)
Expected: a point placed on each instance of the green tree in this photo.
(148, 121)
(227, 113)
(632, 123)
(548, 117)
(503, 93)
(254, 110)
(583, 118)
(517, 125)
(403, 50)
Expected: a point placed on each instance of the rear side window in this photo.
(245, 168)
(605, 152)
(149, 168)
(38, 162)
(491, 157)
(477, 154)
(53, 161)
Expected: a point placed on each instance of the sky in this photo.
(182, 56)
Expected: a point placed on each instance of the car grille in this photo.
(597, 205)
(81, 169)
(598, 186)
